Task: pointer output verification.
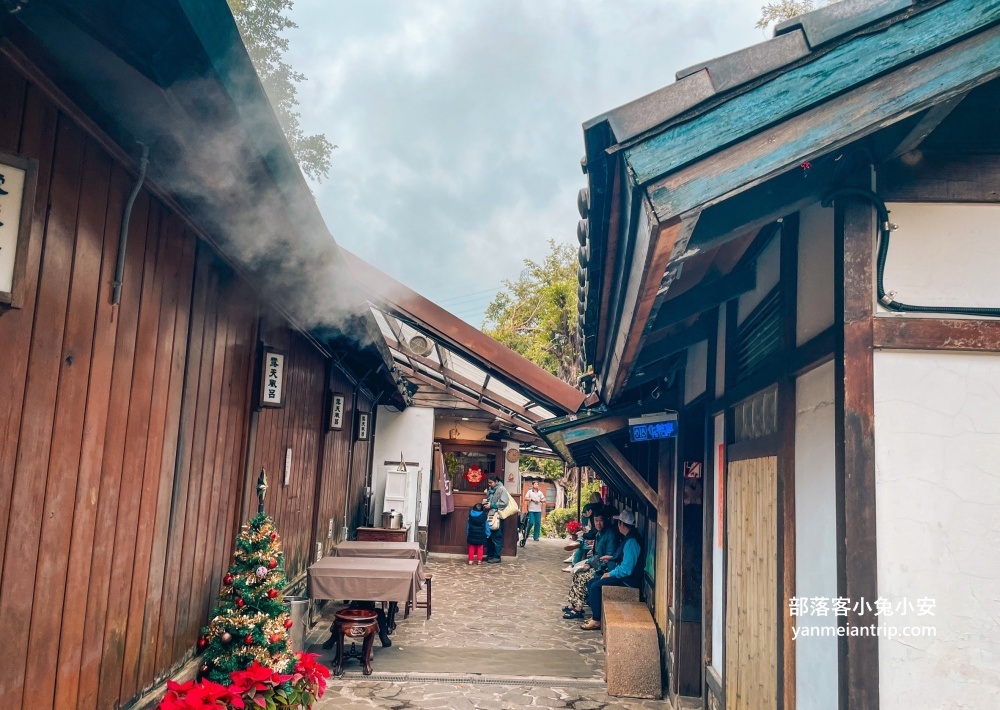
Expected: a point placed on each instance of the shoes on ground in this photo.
(567, 608)
(494, 560)
(568, 560)
(568, 569)
(470, 562)
(591, 625)
(573, 615)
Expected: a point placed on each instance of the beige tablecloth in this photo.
(393, 550)
(378, 579)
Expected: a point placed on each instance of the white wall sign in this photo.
(362, 427)
(337, 412)
(288, 465)
(17, 192)
(272, 384)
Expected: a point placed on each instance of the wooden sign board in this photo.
(337, 402)
(272, 383)
(17, 197)
(363, 426)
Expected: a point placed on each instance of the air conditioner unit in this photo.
(419, 345)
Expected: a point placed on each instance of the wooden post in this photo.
(856, 546)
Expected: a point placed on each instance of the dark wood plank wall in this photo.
(298, 425)
(121, 427)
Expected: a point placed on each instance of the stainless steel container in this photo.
(397, 521)
(298, 608)
(386, 519)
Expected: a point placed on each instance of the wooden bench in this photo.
(631, 650)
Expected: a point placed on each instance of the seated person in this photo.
(604, 548)
(624, 568)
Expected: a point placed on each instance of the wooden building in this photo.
(825, 519)
(142, 295)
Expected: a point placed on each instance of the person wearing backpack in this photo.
(497, 498)
(477, 532)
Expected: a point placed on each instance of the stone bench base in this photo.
(631, 650)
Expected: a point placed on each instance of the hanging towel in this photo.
(447, 499)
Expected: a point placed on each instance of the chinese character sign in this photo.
(362, 427)
(272, 391)
(337, 412)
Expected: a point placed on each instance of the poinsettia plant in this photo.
(256, 687)
(573, 527)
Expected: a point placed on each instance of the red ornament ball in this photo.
(240, 603)
(272, 563)
(274, 536)
(274, 638)
(202, 642)
(204, 668)
(288, 623)
(248, 639)
(272, 593)
(228, 579)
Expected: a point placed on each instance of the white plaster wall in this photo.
(815, 273)
(815, 534)
(410, 432)
(937, 455)
(944, 254)
(696, 371)
(768, 271)
(718, 581)
(511, 470)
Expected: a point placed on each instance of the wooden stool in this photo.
(357, 624)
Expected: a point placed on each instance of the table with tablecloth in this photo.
(380, 579)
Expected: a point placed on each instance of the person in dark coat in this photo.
(477, 532)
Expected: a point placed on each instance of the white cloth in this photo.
(535, 500)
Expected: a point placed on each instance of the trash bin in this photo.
(298, 610)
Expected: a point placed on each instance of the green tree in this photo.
(262, 25)
(536, 314)
(550, 468)
(781, 10)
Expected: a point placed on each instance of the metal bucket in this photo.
(298, 610)
(386, 519)
(397, 521)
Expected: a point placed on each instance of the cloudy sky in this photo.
(458, 121)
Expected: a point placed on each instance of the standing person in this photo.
(536, 499)
(624, 568)
(497, 498)
(477, 532)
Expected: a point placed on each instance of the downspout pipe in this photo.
(116, 290)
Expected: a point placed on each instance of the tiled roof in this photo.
(794, 40)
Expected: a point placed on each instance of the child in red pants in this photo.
(477, 531)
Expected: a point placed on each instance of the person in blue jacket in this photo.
(477, 532)
(624, 569)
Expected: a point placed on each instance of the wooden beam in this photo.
(450, 377)
(855, 456)
(832, 73)
(669, 343)
(699, 299)
(500, 414)
(938, 177)
(902, 333)
(831, 125)
(470, 342)
(931, 120)
(648, 279)
(618, 460)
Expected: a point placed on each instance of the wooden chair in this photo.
(426, 604)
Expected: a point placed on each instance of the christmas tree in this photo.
(250, 622)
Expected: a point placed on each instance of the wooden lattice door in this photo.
(751, 585)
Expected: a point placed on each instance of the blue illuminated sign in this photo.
(652, 432)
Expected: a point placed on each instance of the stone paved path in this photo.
(514, 605)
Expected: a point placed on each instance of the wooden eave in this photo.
(497, 360)
(879, 78)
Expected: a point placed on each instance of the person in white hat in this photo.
(624, 569)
